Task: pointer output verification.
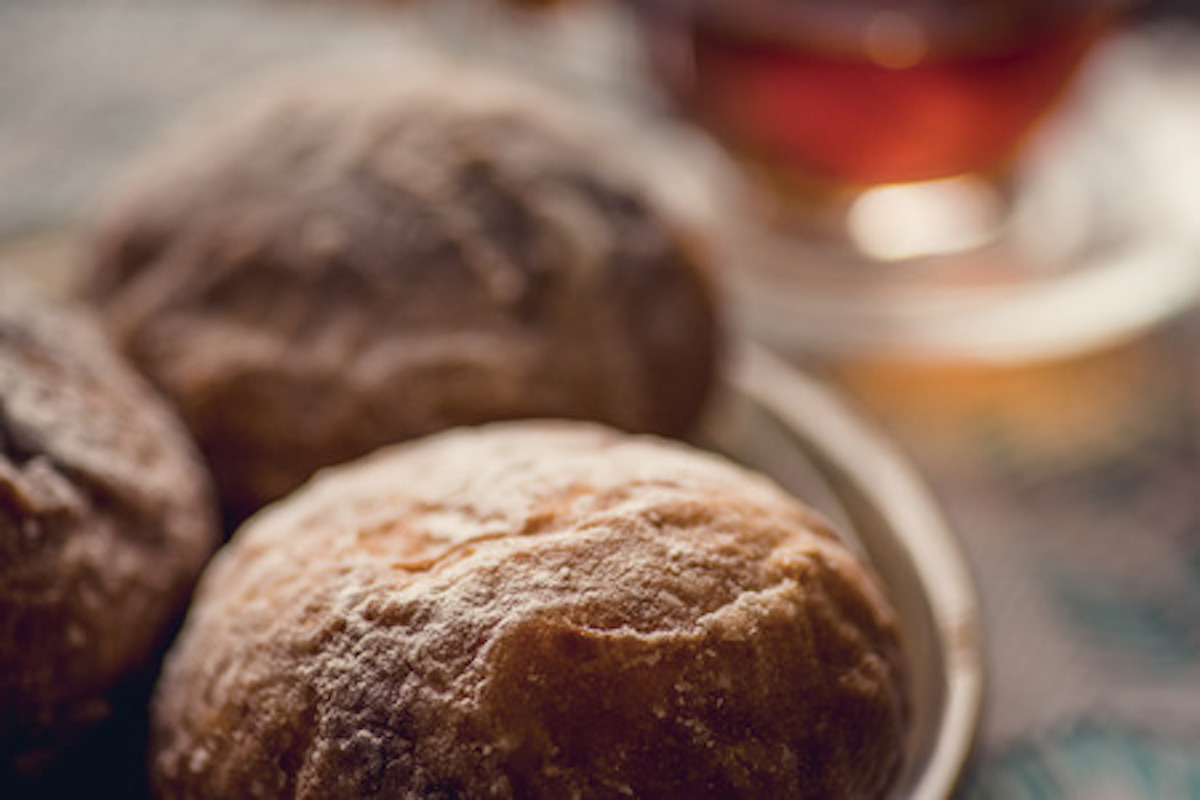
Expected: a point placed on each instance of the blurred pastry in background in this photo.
(534, 609)
(106, 517)
(358, 257)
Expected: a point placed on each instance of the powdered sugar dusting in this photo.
(530, 608)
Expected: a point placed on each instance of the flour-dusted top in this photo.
(534, 609)
(352, 257)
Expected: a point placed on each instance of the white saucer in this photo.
(1104, 241)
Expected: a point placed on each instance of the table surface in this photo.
(1074, 485)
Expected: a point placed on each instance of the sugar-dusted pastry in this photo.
(534, 609)
(106, 517)
(356, 258)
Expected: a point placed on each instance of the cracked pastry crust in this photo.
(357, 258)
(534, 609)
(106, 517)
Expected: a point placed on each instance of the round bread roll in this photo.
(363, 257)
(534, 609)
(106, 517)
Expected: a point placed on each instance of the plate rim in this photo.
(841, 439)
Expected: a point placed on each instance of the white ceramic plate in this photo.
(776, 419)
(788, 425)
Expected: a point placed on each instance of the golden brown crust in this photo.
(538, 610)
(350, 260)
(105, 519)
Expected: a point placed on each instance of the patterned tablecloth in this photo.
(1074, 485)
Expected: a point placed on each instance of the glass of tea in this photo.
(866, 92)
(886, 146)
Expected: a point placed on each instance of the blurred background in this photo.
(1071, 472)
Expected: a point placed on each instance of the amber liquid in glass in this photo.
(920, 106)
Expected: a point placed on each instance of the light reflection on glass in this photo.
(896, 222)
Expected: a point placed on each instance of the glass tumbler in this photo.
(899, 191)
